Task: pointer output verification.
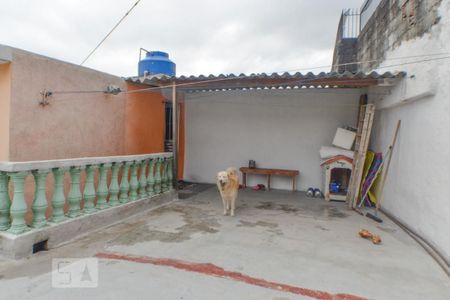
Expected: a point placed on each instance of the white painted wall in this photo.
(276, 128)
(418, 184)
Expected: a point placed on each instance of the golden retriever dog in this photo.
(228, 184)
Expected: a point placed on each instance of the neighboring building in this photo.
(413, 36)
(346, 45)
(367, 10)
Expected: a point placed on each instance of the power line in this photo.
(412, 62)
(206, 93)
(111, 31)
(368, 61)
(342, 91)
(299, 82)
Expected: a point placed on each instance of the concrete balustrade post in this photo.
(39, 206)
(134, 184)
(102, 189)
(18, 206)
(170, 174)
(143, 180)
(74, 197)
(151, 178)
(166, 174)
(164, 177)
(89, 190)
(158, 176)
(114, 186)
(5, 202)
(124, 184)
(58, 198)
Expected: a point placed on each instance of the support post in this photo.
(102, 190)
(74, 197)
(143, 179)
(89, 190)
(158, 176)
(40, 205)
(151, 178)
(18, 207)
(124, 184)
(164, 185)
(134, 183)
(114, 186)
(5, 202)
(170, 173)
(58, 198)
(175, 136)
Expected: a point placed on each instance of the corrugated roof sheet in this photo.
(272, 81)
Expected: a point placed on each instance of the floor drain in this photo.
(40, 246)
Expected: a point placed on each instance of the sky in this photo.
(201, 36)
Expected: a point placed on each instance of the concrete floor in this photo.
(280, 245)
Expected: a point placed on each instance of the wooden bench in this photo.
(269, 173)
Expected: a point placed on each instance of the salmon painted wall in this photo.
(74, 124)
(5, 90)
(144, 122)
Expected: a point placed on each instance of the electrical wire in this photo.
(190, 97)
(368, 61)
(341, 91)
(409, 63)
(302, 82)
(111, 31)
(272, 104)
(296, 81)
(294, 85)
(77, 92)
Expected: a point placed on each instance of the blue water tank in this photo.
(157, 62)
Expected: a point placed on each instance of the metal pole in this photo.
(175, 135)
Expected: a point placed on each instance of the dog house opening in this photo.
(342, 177)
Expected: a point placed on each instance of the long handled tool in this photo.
(386, 169)
(369, 215)
(386, 164)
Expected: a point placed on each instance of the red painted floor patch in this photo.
(213, 270)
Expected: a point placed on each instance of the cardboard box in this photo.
(344, 138)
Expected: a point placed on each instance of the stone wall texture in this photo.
(394, 22)
(344, 53)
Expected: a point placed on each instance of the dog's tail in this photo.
(232, 171)
(234, 177)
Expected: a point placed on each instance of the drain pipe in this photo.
(431, 250)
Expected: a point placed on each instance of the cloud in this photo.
(201, 36)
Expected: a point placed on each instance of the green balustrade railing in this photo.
(119, 179)
(151, 177)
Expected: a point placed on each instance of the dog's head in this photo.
(222, 178)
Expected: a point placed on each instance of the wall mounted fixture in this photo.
(44, 98)
(112, 89)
